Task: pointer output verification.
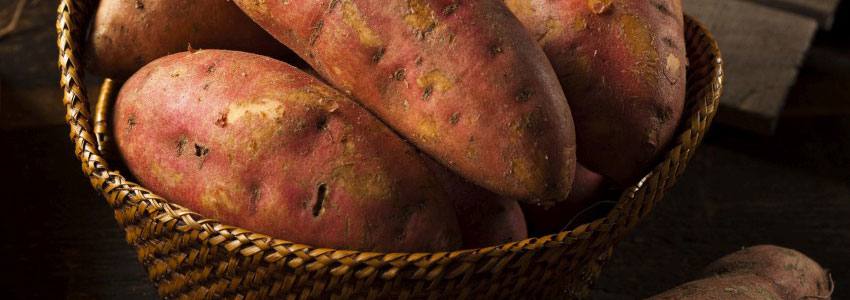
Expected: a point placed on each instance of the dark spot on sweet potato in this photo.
(131, 122)
(454, 118)
(211, 68)
(450, 9)
(378, 55)
(399, 74)
(254, 200)
(662, 8)
(322, 122)
(221, 121)
(418, 61)
(201, 152)
(206, 86)
(181, 145)
(321, 196)
(140, 5)
(663, 114)
(427, 92)
(524, 94)
(314, 33)
(495, 49)
(332, 5)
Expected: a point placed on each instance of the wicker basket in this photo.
(189, 256)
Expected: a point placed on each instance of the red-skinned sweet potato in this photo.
(622, 66)
(760, 272)
(485, 219)
(462, 80)
(127, 34)
(256, 143)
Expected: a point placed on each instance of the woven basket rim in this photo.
(75, 93)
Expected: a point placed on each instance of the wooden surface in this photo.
(28, 69)
(821, 10)
(763, 49)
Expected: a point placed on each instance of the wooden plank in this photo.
(762, 50)
(31, 96)
(821, 10)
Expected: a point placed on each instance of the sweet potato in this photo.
(588, 188)
(760, 272)
(485, 219)
(127, 34)
(622, 67)
(256, 143)
(462, 80)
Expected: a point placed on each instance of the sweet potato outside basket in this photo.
(189, 256)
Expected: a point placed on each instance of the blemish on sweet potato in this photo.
(427, 128)
(262, 108)
(131, 122)
(165, 175)
(254, 199)
(314, 33)
(322, 122)
(210, 68)
(454, 118)
(352, 17)
(663, 9)
(181, 145)
(426, 93)
(221, 121)
(495, 49)
(201, 152)
(399, 74)
(524, 94)
(139, 5)
(378, 55)
(672, 69)
(321, 196)
(450, 9)
(435, 80)
(420, 17)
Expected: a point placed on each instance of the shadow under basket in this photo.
(189, 256)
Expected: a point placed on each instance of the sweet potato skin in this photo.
(622, 67)
(759, 272)
(256, 143)
(462, 80)
(485, 218)
(588, 188)
(795, 275)
(127, 34)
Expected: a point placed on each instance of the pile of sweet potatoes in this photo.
(426, 125)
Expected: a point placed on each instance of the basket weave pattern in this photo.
(190, 256)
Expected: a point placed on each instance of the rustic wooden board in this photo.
(31, 96)
(821, 10)
(762, 49)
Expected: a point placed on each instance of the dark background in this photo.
(59, 239)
